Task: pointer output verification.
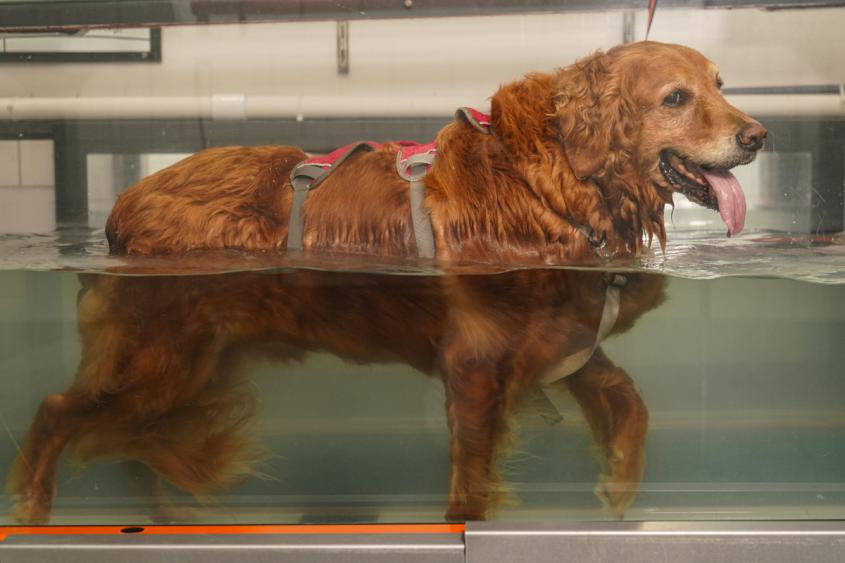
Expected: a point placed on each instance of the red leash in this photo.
(652, 7)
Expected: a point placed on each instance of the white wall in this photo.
(444, 62)
(405, 57)
(761, 48)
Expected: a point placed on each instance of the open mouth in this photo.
(713, 188)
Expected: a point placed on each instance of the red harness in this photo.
(413, 161)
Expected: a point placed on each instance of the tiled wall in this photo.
(27, 195)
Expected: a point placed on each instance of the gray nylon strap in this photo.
(423, 232)
(609, 314)
(312, 173)
(543, 402)
(304, 178)
(301, 186)
(363, 145)
(414, 169)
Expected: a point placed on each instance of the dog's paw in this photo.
(32, 507)
(465, 513)
(615, 497)
(618, 485)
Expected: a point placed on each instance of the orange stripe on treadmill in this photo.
(234, 529)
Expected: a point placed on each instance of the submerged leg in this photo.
(150, 486)
(476, 409)
(33, 474)
(60, 417)
(618, 419)
(110, 410)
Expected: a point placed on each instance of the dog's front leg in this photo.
(475, 401)
(618, 419)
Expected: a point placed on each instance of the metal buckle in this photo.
(468, 117)
(597, 243)
(615, 279)
(306, 176)
(415, 167)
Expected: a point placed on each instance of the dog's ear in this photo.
(588, 109)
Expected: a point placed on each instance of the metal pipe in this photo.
(216, 107)
(256, 107)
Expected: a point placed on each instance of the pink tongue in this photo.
(730, 197)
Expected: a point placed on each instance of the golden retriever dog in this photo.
(600, 145)
(579, 163)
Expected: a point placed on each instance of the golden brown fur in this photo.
(575, 147)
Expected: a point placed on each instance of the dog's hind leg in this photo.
(124, 385)
(618, 419)
(58, 418)
(33, 474)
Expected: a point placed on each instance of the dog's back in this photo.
(240, 198)
(229, 197)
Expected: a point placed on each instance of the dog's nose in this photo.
(751, 136)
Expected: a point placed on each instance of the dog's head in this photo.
(656, 111)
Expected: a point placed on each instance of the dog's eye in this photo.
(674, 99)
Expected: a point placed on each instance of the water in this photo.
(740, 370)
(689, 254)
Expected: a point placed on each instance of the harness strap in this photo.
(609, 314)
(475, 118)
(412, 164)
(306, 176)
(296, 226)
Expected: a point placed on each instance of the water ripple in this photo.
(689, 254)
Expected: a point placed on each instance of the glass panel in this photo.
(741, 378)
(27, 186)
(229, 386)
